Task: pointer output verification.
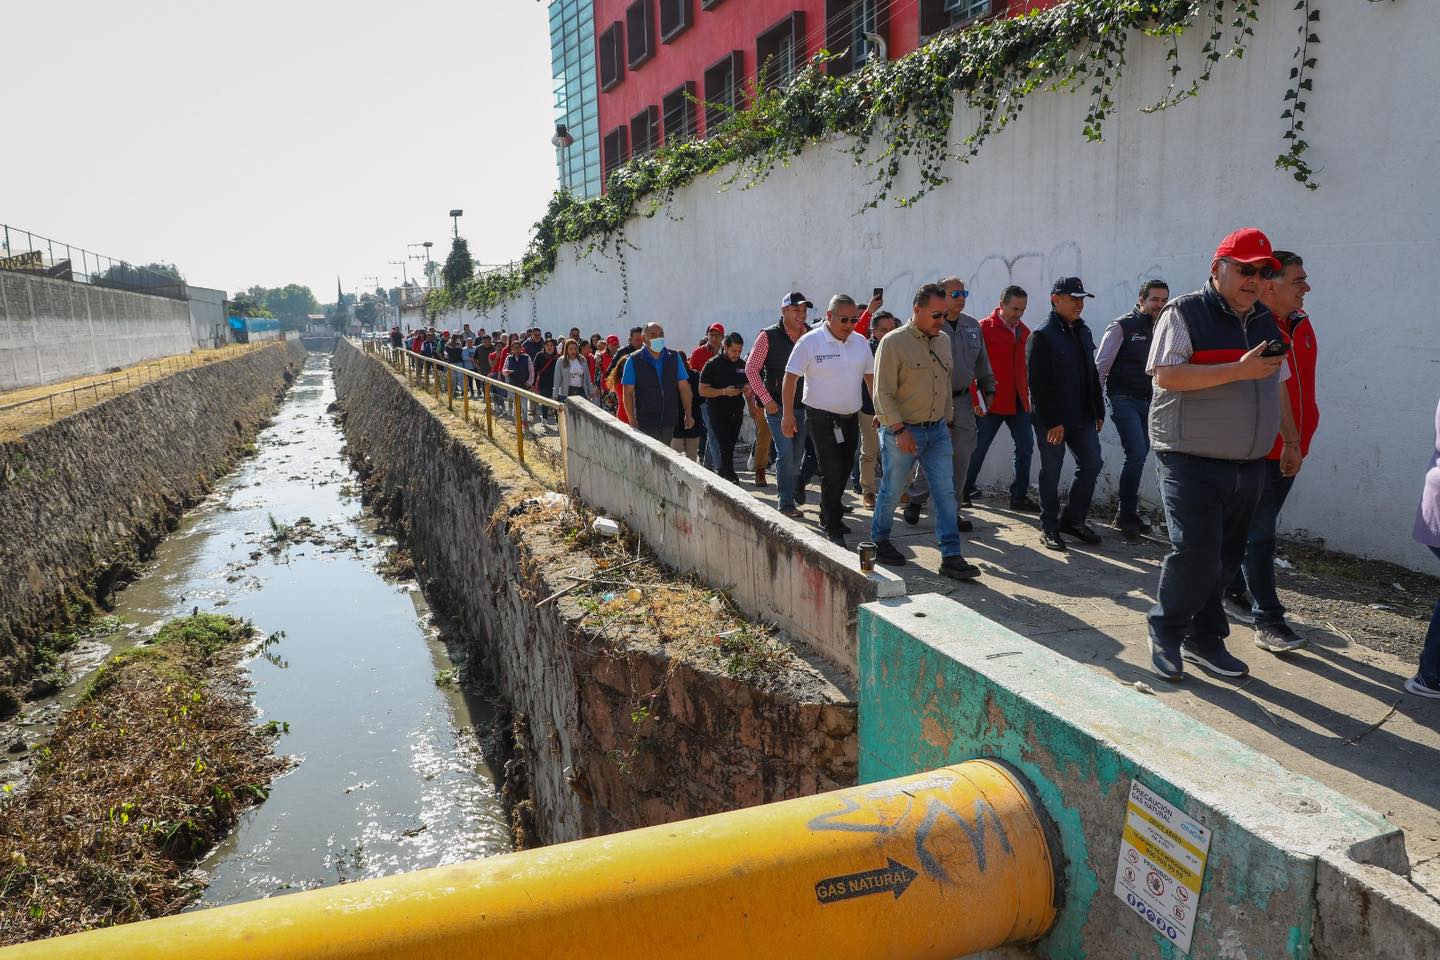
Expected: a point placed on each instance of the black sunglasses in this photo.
(1247, 269)
(937, 314)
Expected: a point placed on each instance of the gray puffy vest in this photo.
(1234, 421)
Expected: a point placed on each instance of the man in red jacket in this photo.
(1005, 338)
(1284, 294)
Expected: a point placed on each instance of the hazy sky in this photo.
(266, 142)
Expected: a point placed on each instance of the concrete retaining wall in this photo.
(84, 499)
(708, 742)
(775, 569)
(54, 329)
(1039, 203)
(1295, 869)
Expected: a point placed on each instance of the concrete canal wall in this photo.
(594, 764)
(84, 499)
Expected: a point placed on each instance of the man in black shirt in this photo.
(1068, 409)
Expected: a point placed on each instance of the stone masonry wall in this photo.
(84, 499)
(709, 742)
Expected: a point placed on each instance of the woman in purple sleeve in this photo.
(1426, 683)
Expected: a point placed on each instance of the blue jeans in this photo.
(1209, 505)
(710, 449)
(936, 459)
(1430, 653)
(1131, 417)
(1257, 572)
(987, 427)
(788, 452)
(1084, 443)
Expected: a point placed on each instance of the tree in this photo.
(459, 266)
(293, 304)
(245, 305)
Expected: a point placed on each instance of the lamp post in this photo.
(455, 216)
(561, 140)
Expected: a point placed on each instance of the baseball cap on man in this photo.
(715, 328)
(1247, 245)
(794, 299)
(1070, 287)
(613, 340)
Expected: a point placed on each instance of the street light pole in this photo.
(455, 216)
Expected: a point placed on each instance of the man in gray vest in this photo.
(1121, 359)
(967, 347)
(1219, 401)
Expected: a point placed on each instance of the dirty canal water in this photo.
(389, 776)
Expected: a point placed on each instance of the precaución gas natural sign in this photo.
(1162, 863)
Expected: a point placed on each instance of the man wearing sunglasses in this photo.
(914, 403)
(1219, 402)
(971, 362)
(834, 364)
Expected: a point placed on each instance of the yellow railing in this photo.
(70, 399)
(938, 865)
(434, 375)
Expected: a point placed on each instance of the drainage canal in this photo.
(389, 776)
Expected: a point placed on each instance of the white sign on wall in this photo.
(1162, 863)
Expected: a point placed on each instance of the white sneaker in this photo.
(1422, 689)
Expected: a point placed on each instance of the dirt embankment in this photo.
(84, 500)
(152, 767)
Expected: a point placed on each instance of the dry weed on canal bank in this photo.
(152, 766)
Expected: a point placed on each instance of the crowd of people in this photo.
(1219, 384)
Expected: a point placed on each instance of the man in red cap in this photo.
(1217, 358)
(712, 346)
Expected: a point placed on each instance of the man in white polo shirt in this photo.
(834, 364)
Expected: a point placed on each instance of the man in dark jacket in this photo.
(1121, 359)
(1068, 409)
(656, 385)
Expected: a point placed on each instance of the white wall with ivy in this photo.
(1151, 199)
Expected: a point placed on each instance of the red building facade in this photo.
(653, 56)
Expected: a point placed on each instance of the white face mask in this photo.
(657, 344)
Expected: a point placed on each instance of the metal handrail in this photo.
(167, 365)
(428, 369)
(81, 265)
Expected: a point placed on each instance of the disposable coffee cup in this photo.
(867, 556)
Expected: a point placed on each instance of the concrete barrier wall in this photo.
(1039, 203)
(54, 329)
(1294, 869)
(775, 569)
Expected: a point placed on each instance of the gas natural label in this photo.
(1162, 862)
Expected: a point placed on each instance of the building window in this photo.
(937, 15)
(644, 131)
(614, 150)
(722, 90)
(612, 55)
(675, 18)
(848, 23)
(679, 110)
(640, 32)
(779, 52)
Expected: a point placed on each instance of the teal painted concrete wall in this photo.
(940, 684)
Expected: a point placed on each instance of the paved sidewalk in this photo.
(1315, 710)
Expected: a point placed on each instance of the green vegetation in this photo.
(150, 768)
(898, 116)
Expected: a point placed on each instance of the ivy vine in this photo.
(899, 115)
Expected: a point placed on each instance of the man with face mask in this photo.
(1219, 402)
(653, 377)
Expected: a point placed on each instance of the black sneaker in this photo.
(912, 513)
(1131, 524)
(1278, 637)
(1050, 540)
(1024, 505)
(965, 525)
(967, 499)
(836, 537)
(799, 495)
(886, 553)
(1214, 657)
(1080, 531)
(1238, 604)
(1166, 661)
(958, 568)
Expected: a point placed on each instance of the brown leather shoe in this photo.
(760, 477)
(869, 500)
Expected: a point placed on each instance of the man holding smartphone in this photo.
(1218, 405)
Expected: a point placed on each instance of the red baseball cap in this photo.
(1247, 245)
(715, 328)
(613, 340)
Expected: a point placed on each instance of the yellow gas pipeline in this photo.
(935, 865)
